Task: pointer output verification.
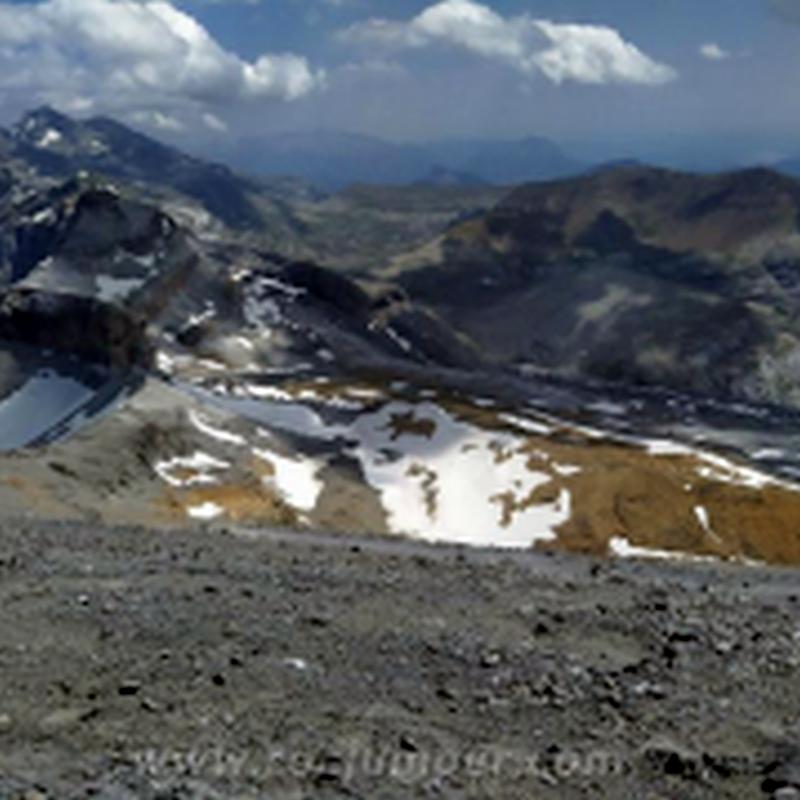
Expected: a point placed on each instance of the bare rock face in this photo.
(84, 266)
(80, 233)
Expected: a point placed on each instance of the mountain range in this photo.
(335, 159)
(236, 412)
(605, 364)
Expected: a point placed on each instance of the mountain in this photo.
(331, 159)
(636, 275)
(334, 160)
(789, 166)
(290, 216)
(59, 146)
(161, 368)
(222, 465)
(442, 176)
(505, 162)
(615, 164)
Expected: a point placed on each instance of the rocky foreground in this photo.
(225, 664)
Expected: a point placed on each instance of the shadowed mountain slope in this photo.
(635, 275)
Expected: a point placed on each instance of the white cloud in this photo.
(214, 123)
(287, 72)
(595, 54)
(713, 52)
(158, 120)
(592, 54)
(129, 53)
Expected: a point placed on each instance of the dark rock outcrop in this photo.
(95, 332)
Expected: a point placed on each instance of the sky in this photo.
(617, 78)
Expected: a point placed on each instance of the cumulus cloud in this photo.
(134, 53)
(592, 54)
(157, 119)
(214, 123)
(713, 52)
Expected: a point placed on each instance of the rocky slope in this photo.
(218, 665)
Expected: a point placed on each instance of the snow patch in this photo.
(769, 454)
(295, 478)
(165, 362)
(147, 261)
(622, 548)
(204, 426)
(110, 288)
(208, 313)
(399, 340)
(364, 394)
(526, 425)
(205, 511)
(717, 468)
(665, 447)
(46, 399)
(441, 479)
(199, 464)
(244, 342)
(44, 217)
(567, 470)
(49, 138)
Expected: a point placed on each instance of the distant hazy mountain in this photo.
(442, 176)
(610, 166)
(789, 166)
(505, 161)
(333, 159)
(330, 159)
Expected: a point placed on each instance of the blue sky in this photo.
(663, 78)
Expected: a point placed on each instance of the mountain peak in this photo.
(44, 127)
(45, 115)
(57, 146)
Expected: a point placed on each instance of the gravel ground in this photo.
(225, 664)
